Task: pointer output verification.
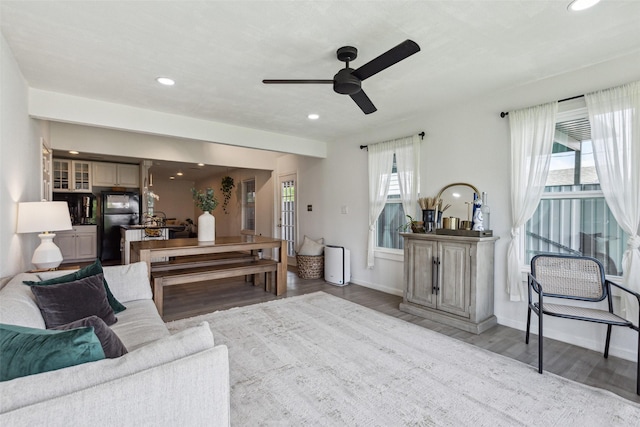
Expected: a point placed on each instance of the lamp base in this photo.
(47, 255)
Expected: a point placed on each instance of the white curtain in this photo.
(532, 131)
(407, 151)
(615, 132)
(380, 167)
(408, 165)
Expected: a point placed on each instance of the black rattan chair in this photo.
(575, 278)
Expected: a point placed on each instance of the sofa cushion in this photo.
(311, 247)
(66, 302)
(129, 282)
(27, 351)
(56, 277)
(111, 344)
(140, 324)
(18, 304)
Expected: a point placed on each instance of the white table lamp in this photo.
(43, 217)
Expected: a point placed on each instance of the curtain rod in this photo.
(421, 135)
(503, 114)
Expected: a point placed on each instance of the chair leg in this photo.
(638, 367)
(526, 337)
(540, 342)
(606, 344)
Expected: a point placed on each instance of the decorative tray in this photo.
(468, 233)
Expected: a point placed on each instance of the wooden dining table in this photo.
(275, 249)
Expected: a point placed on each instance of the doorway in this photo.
(287, 214)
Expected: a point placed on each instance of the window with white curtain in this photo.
(573, 217)
(392, 217)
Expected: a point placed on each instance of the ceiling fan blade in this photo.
(363, 102)
(387, 59)
(268, 82)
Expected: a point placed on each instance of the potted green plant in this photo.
(205, 201)
(227, 186)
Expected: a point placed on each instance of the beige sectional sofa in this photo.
(163, 380)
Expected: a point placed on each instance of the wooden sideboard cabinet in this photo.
(449, 279)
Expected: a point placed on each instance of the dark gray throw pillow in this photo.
(66, 302)
(110, 342)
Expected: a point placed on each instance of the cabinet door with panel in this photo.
(420, 279)
(61, 175)
(453, 278)
(128, 175)
(81, 175)
(66, 241)
(104, 174)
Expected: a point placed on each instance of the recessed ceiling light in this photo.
(200, 164)
(578, 5)
(313, 116)
(165, 81)
(172, 177)
(73, 152)
(179, 174)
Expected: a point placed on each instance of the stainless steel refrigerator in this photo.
(117, 208)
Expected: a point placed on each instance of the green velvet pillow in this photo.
(26, 351)
(90, 270)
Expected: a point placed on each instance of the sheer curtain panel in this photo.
(407, 151)
(408, 164)
(615, 131)
(532, 131)
(380, 158)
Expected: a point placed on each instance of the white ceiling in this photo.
(219, 52)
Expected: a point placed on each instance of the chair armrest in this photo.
(534, 284)
(635, 294)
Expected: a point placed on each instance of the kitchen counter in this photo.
(153, 227)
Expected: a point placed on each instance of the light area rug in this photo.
(317, 360)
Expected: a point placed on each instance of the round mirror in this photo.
(459, 197)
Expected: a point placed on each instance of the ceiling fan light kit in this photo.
(348, 81)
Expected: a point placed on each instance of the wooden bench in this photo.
(194, 261)
(161, 279)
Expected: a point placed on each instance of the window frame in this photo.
(382, 251)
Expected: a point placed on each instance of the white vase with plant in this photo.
(205, 201)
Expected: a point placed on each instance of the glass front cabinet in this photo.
(71, 175)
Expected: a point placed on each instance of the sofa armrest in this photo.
(179, 380)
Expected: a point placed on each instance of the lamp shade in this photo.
(38, 217)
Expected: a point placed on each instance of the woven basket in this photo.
(310, 267)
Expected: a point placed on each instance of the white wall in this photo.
(175, 199)
(230, 223)
(19, 164)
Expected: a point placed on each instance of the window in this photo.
(573, 217)
(249, 206)
(392, 217)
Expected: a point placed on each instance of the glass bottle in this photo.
(486, 212)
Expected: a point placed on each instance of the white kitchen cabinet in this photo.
(449, 279)
(71, 175)
(116, 175)
(78, 244)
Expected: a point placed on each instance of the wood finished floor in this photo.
(569, 361)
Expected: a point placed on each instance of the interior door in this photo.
(287, 216)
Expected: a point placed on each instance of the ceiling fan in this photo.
(349, 81)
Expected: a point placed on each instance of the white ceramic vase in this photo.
(206, 227)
